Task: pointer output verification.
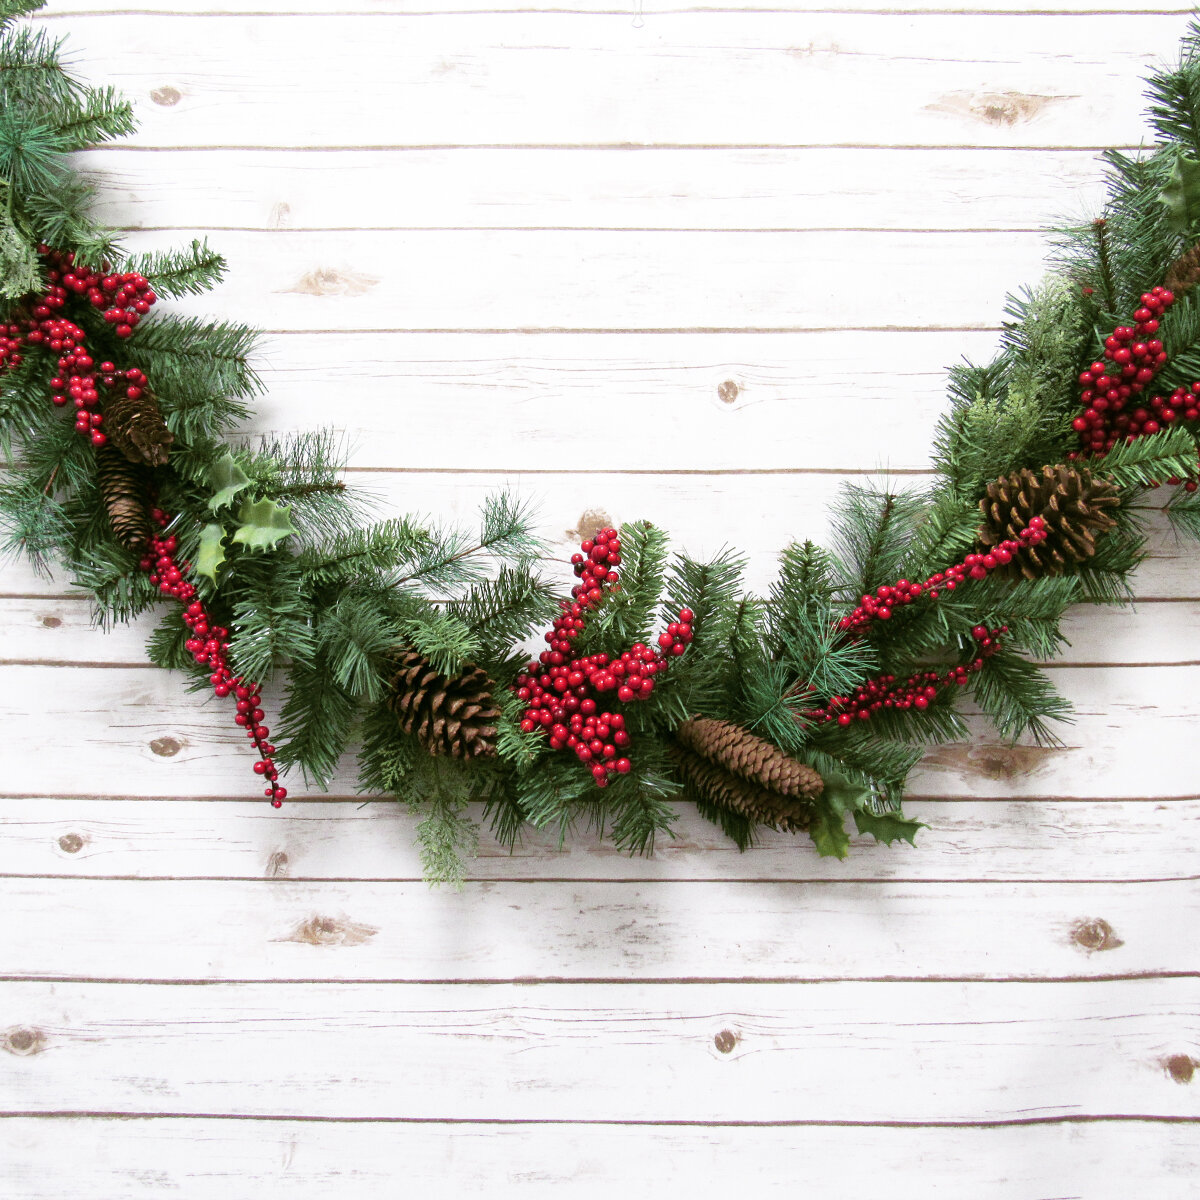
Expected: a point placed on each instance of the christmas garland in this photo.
(659, 677)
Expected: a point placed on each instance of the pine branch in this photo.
(190, 271)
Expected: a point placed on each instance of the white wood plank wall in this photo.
(694, 264)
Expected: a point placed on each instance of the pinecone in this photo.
(122, 491)
(1074, 505)
(137, 429)
(1184, 273)
(725, 765)
(452, 715)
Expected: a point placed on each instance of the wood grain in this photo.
(145, 1158)
(278, 930)
(862, 1052)
(701, 79)
(965, 839)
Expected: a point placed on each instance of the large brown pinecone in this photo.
(123, 494)
(725, 765)
(137, 429)
(452, 715)
(1074, 504)
(1184, 273)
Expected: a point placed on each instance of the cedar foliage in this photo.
(323, 595)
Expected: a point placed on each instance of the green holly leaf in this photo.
(828, 833)
(845, 795)
(228, 479)
(263, 523)
(888, 827)
(1181, 196)
(212, 551)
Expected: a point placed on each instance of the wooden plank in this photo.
(60, 632)
(534, 280)
(163, 741)
(993, 840)
(514, 79)
(920, 1052)
(635, 10)
(145, 1158)
(232, 930)
(584, 188)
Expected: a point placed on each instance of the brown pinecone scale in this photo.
(123, 494)
(725, 765)
(136, 427)
(453, 715)
(1076, 506)
(1184, 273)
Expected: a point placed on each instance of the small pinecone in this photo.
(122, 491)
(725, 765)
(1184, 273)
(137, 429)
(1074, 505)
(452, 715)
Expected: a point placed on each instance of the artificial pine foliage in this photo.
(408, 639)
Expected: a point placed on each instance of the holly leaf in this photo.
(228, 479)
(1181, 195)
(263, 523)
(828, 833)
(888, 827)
(212, 551)
(845, 795)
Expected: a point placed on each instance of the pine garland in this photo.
(404, 640)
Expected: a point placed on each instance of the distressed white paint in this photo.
(696, 266)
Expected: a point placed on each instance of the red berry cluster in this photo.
(125, 300)
(561, 693)
(207, 646)
(917, 691)
(1133, 356)
(886, 599)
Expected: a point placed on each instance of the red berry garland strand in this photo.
(889, 597)
(562, 694)
(208, 645)
(917, 691)
(125, 300)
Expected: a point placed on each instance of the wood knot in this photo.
(1096, 934)
(24, 1041)
(994, 108)
(166, 747)
(725, 1041)
(728, 391)
(166, 96)
(591, 521)
(70, 843)
(51, 622)
(1180, 1067)
(331, 931)
(277, 864)
(325, 281)
(281, 215)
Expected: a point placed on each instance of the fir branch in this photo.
(186, 272)
(1149, 459)
(101, 115)
(1019, 698)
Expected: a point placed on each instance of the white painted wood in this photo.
(763, 930)
(862, 1052)
(965, 840)
(139, 733)
(604, 188)
(692, 78)
(143, 1159)
(597, 280)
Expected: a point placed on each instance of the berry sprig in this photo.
(208, 646)
(125, 299)
(889, 597)
(561, 693)
(886, 692)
